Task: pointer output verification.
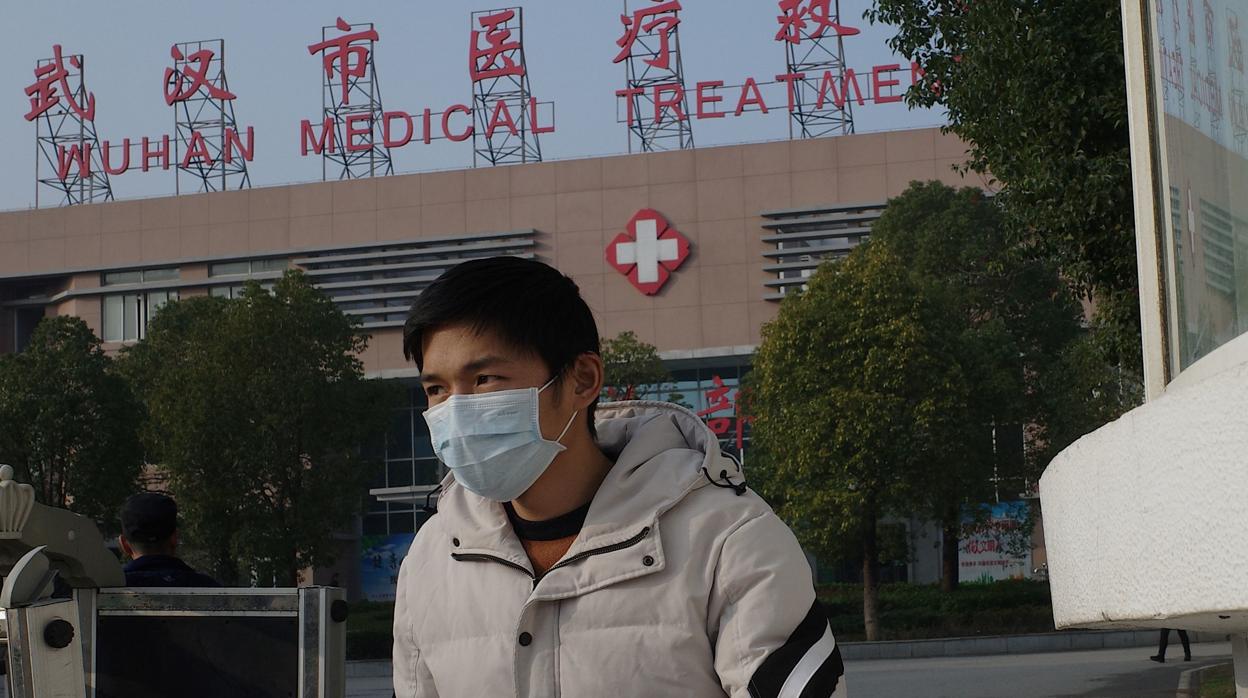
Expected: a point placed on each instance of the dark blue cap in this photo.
(149, 517)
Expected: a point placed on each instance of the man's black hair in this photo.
(148, 521)
(529, 305)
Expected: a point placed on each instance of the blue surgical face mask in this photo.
(492, 442)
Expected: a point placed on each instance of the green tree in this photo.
(1037, 90)
(258, 408)
(69, 423)
(850, 383)
(632, 368)
(1012, 320)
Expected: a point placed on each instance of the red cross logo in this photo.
(648, 251)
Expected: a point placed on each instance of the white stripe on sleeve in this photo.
(808, 665)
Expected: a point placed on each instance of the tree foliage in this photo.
(850, 383)
(68, 423)
(1037, 90)
(932, 358)
(258, 407)
(632, 368)
(1038, 379)
(1014, 319)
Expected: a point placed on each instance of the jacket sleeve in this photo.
(773, 639)
(412, 678)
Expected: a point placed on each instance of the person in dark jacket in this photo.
(149, 537)
(1165, 640)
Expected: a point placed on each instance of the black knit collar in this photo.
(564, 526)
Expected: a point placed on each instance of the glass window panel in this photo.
(157, 300)
(114, 309)
(122, 277)
(423, 446)
(400, 523)
(130, 317)
(428, 472)
(229, 269)
(261, 265)
(1205, 178)
(169, 274)
(399, 473)
(399, 436)
(220, 292)
(416, 396)
(375, 525)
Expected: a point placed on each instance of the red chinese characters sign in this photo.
(346, 55)
(181, 85)
(51, 85)
(659, 20)
(648, 251)
(647, 33)
(729, 419)
(798, 20)
(497, 57)
(797, 15)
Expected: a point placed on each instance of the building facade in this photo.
(692, 250)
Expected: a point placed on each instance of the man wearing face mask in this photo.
(582, 550)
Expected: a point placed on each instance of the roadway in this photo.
(1113, 673)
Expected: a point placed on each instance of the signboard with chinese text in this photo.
(411, 117)
(996, 549)
(380, 558)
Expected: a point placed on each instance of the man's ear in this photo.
(125, 547)
(173, 543)
(586, 377)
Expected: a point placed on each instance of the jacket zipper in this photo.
(598, 551)
(482, 557)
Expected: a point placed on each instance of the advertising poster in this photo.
(998, 547)
(380, 557)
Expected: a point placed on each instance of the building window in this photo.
(247, 267)
(409, 458)
(230, 269)
(114, 278)
(126, 314)
(235, 291)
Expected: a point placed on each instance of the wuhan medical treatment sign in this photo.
(355, 133)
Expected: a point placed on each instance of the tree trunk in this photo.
(950, 540)
(292, 571)
(870, 579)
(226, 567)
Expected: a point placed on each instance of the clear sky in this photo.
(421, 61)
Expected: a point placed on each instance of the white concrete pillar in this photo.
(1239, 652)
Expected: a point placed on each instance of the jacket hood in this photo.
(661, 453)
(661, 445)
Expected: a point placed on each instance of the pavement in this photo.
(1108, 673)
(1102, 673)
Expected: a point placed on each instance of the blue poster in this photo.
(380, 557)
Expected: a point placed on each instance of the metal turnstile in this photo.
(91, 637)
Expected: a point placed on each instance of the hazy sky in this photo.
(421, 61)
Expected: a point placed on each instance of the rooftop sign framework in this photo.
(355, 135)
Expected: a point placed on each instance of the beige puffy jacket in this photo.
(674, 587)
